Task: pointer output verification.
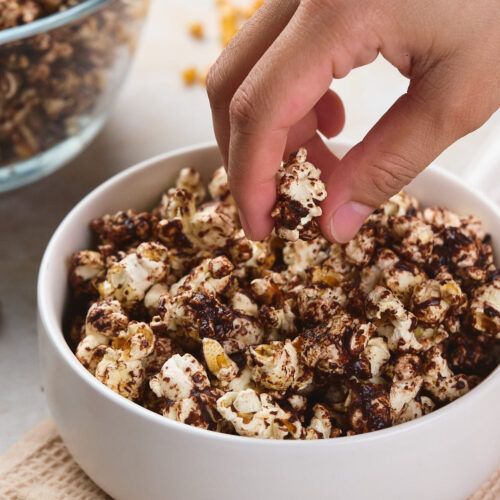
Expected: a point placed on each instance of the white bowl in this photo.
(133, 453)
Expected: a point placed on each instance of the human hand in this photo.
(269, 93)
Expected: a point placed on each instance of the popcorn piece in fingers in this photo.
(299, 194)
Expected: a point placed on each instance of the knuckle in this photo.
(390, 172)
(242, 111)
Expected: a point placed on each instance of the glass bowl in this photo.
(59, 77)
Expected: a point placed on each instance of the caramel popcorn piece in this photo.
(299, 193)
(232, 16)
(229, 21)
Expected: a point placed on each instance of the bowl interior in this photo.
(140, 188)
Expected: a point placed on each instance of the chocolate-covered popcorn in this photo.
(257, 415)
(87, 269)
(218, 187)
(274, 366)
(291, 337)
(300, 191)
(128, 279)
(485, 309)
(184, 384)
(105, 320)
(115, 355)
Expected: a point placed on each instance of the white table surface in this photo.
(154, 113)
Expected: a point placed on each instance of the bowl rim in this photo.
(51, 22)
(52, 328)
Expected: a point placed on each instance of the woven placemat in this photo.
(39, 467)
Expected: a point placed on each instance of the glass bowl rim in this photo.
(51, 22)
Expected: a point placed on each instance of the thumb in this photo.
(413, 132)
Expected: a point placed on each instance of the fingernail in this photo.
(244, 225)
(347, 220)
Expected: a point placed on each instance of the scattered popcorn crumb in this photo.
(231, 17)
(196, 29)
(190, 75)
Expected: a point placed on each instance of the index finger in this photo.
(235, 62)
(285, 84)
